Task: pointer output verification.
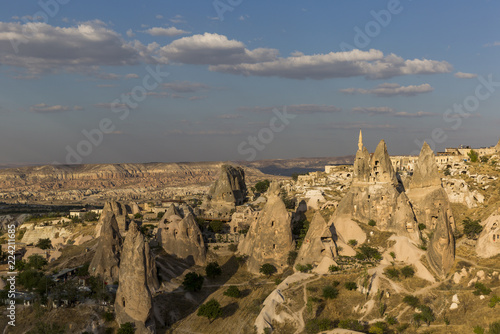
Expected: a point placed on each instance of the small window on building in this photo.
(274, 246)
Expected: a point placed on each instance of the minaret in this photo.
(360, 141)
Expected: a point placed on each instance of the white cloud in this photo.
(43, 108)
(171, 31)
(110, 105)
(214, 49)
(296, 109)
(358, 125)
(159, 17)
(391, 89)
(178, 19)
(196, 98)
(43, 48)
(131, 76)
(417, 114)
(496, 43)
(130, 33)
(462, 75)
(229, 116)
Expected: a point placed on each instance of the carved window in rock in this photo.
(123, 302)
(274, 246)
(272, 223)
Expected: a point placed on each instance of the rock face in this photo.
(458, 191)
(120, 212)
(318, 242)
(426, 174)
(375, 194)
(133, 299)
(432, 208)
(106, 260)
(269, 239)
(230, 187)
(182, 238)
(488, 243)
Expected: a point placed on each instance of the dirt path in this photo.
(299, 316)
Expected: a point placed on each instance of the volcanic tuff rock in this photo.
(106, 260)
(375, 194)
(230, 187)
(182, 238)
(318, 242)
(488, 243)
(432, 208)
(133, 299)
(269, 239)
(120, 212)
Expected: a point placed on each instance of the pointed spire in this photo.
(360, 141)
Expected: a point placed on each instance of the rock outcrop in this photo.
(432, 208)
(375, 194)
(106, 260)
(134, 302)
(458, 191)
(182, 238)
(318, 243)
(269, 239)
(488, 243)
(120, 212)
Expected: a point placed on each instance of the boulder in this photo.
(106, 260)
(230, 187)
(488, 243)
(134, 302)
(318, 243)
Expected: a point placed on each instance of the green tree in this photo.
(192, 282)
(484, 159)
(411, 300)
(233, 292)
(407, 271)
(44, 243)
(494, 328)
(262, 186)
(138, 216)
(330, 292)
(473, 156)
(366, 252)
(126, 328)
(351, 286)
(392, 273)
(472, 228)
(90, 216)
(372, 223)
(447, 172)
(216, 226)
(292, 256)
(36, 262)
(211, 310)
(267, 269)
(213, 270)
(45, 328)
(481, 289)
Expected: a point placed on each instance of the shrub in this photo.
(304, 268)
(90, 216)
(233, 292)
(109, 316)
(216, 226)
(329, 292)
(372, 223)
(262, 186)
(479, 330)
(494, 301)
(393, 255)
(426, 315)
(392, 273)
(138, 216)
(334, 268)
(213, 270)
(481, 289)
(407, 271)
(366, 252)
(351, 324)
(44, 243)
(267, 269)
(391, 320)
(318, 325)
(192, 282)
(472, 228)
(211, 310)
(378, 328)
(411, 300)
(233, 247)
(292, 256)
(126, 328)
(422, 226)
(494, 328)
(352, 242)
(351, 286)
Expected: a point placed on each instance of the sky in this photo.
(173, 81)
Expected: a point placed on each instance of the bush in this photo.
(44, 243)
(292, 256)
(329, 292)
(411, 300)
(472, 228)
(391, 320)
(126, 328)
(267, 269)
(366, 252)
(233, 292)
(426, 315)
(392, 273)
(372, 223)
(473, 156)
(494, 301)
(378, 328)
(36, 262)
(216, 226)
(304, 268)
(109, 316)
(318, 325)
(351, 324)
(422, 226)
(192, 282)
(351, 286)
(334, 268)
(138, 216)
(481, 289)
(211, 310)
(233, 247)
(478, 330)
(90, 216)
(262, 186)
(213, 270)
(494, 328)
(407, 271)
(352, 242)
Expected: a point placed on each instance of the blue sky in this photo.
(404, 71)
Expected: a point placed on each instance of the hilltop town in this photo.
(387, 244)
